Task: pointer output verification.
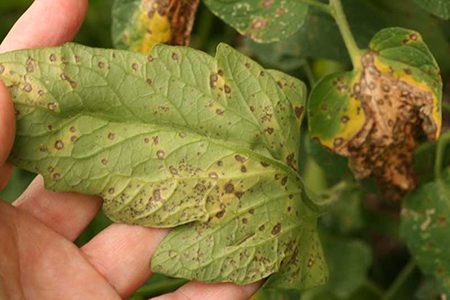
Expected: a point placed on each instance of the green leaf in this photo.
(172, 138)
(440, 8)
(262, 21)
(349, 261)
(319, 37)
(138, 25)
(373, 114)
(425, 227)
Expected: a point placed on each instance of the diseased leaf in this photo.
(261, 20)
(138, 25)
(172, 138)
(319, 37)
(425, 228)
(374, 114)
(440, 8)
(349, 261)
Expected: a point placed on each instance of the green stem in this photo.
(319, 5)
(440, 153)
(158, 288)
(400, 280)
(374, 288)
(309, 73)
(338, 13)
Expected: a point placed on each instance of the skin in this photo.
(38, 259)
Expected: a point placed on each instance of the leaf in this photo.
(349, 261)
(263, 21)
(440, 8)
(425, 227)
(319, 37)
(176, 137)
(374, 114)
(138, 25)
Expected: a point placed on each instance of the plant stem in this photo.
(158, 288)
(400, 280)
(319, 5)
(338, 13)
(309, 73)
(374, 288)
(440, 153)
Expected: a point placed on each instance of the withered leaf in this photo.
(138, 25)
(375, 114)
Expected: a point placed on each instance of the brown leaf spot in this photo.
(135, 66)
(276, 229)
(213, 175)
(52, 57)
(229, 188)
(269, 130)
(111, 136)
(220, 214)
(174, 56)
(243, 169)
(160, 154)
(240, 158)
(2, 68)
(56, 176)
(27, 88)
(345, 119)
(298, 111)
(51, 106)
(104, 161)
(227, 89)
(59, 145)
(173, 170)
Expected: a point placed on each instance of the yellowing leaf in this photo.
(374, 114)
(138, 25)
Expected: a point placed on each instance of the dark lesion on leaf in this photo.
(181, 15)
(397, 112)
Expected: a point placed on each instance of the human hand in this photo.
(38, 259)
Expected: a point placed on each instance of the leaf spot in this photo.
(111, 136)
(59, 145)
(229, 188)
(160, 154)
(276, 229)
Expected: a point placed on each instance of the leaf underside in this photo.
(176, 137)
(374, 114)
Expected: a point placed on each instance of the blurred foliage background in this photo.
(360, 233)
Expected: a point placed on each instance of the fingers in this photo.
(7, 132)
(121, 253)
(66, 213)
(217, 291)
(46, 23)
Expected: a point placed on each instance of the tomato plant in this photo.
(311, 153)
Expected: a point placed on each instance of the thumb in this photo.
(7, 132)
